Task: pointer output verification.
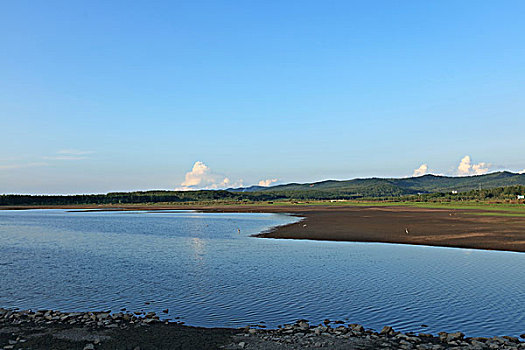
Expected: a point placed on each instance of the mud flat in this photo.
(432, 227)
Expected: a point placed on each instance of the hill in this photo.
(501, 185)
(379, 187)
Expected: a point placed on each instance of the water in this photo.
(199, 267)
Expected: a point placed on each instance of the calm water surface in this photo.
(199, 267)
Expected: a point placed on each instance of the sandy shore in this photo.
(434, 227)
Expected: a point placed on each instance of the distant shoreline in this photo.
(458, 228)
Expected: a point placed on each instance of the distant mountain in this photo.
(502, 185)
(378, 187)
(253, 188)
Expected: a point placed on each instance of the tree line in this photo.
(178, 197)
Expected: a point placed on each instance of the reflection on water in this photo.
(203, 270)
(199, 247)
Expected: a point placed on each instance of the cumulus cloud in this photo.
(522, 172)
(422, 170)
(466, 167)
(266, 182)
(201, 177)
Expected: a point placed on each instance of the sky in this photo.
(100, 96)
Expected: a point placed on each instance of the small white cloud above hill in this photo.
(202, 177)
(266, 182)
(466, 167)
(422, 170)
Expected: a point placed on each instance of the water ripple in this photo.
(200, 268)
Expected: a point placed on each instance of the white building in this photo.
(521, 196)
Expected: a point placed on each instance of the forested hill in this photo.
(392, 187)
(501, 185)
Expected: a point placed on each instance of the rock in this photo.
(425, 335)
(341, 330)
(102, 316)
(387, 330)
(89, 347)
(166, 311)
(303, 325)
(477, 343)
(357, 328)
(511, 339)
(252, 331)
(320, 329)
(242, 345)
(455, 336)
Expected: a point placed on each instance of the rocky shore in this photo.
(45, 329)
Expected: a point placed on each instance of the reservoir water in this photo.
(207, 273)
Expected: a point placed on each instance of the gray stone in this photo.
(303, 325)
(89, 347)
(478, 344)
(242, 345)
(358, 328)
(455, 336)
(387, 330)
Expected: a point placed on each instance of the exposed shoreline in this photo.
(458, 228)
(42, 329)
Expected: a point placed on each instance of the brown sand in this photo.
(433, 227)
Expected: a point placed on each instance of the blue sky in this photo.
(99, 96)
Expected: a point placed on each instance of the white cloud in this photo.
(266, 182)
(74, 152)
(465, 167)
(201, 177)
(69, 154)
(64, 158)
(24, 165)
(422, 170)
(521, 172)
